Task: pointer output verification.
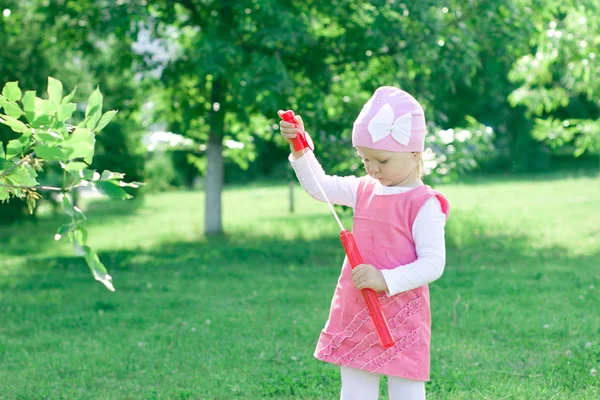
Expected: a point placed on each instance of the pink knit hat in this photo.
(391, 120)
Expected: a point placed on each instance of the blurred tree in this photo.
(23, 58)
(95, 38)
(558, 80)
(231, 65)
(229, 69)
(218, 71)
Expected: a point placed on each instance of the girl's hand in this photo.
(366, 276)
(288, 130)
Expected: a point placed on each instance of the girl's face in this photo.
(389, 167)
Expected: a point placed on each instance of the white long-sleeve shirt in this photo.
(427, 230)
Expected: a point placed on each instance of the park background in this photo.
(222, 281)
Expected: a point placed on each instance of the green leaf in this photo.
(65, 111)
(55, 90)
(93, 119)
(63, 230)
(44, 112)
(90, 175)
(11, 91)
(80, 235)
(93, 112)
(112, 190)
(82, 143)
(11, 108)
(42, 121)
(79, 216)
(109, 175)
(2, 154)
(67, 206)
(68, 97)
(135, 185)
(14, 124)
(4, 195)
(4, 164)
(44, 107)
(94, 104)
(75, 166)
(72, 178)
(24, 176)
(52, 153)
(51, 137)
(29, 101)
(29, 105)
(98, 269)
(83, 150)
(60, 127)
(106, 118)
(81, 135)
(579, 151)
(17, 146)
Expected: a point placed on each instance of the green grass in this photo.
(515, 315)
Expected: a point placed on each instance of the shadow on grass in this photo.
(101, 209)
(218, 250)
(27, 237)
(471, 248)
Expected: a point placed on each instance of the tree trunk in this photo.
(214, 154)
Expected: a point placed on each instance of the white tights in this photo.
(363, 385)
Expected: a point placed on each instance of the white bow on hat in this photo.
(383, 124)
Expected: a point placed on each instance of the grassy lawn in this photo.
(515, 315)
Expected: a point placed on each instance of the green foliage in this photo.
(558, 81)
(75, 42)
(323, 61)
(159, 172)
(456, 152)
(47, 137)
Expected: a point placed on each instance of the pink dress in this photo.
(383, 233)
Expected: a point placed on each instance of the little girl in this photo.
(399, 230)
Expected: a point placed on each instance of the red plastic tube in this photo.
(381, 325)
(302, 139)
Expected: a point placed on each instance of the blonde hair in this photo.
(420, 164)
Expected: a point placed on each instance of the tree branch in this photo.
(50, 188)
(21, 161)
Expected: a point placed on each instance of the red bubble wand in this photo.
(301, 142)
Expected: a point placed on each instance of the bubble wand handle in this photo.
(302, 139)
(301, 142)
(355, 259)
